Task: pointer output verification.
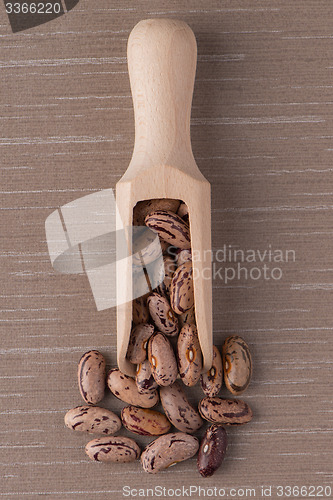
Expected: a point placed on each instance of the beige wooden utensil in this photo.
(162, 63)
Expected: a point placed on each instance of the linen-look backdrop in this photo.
(262, 135)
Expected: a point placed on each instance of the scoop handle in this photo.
(162, 55)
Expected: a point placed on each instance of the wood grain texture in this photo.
(262, 135)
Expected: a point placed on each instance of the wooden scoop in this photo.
(162, 56)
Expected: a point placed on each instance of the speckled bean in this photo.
(143, 208)
(162, 314)
(212, 450)
(170, 227)
(183, 211)
(178, 410)
(92, 419)
(237, 364)
(124, 388)
(187, 317)
(144, 422)
(91, 376)
(181, 290)
(162, 359)
(140, 311)
(189, 355)
(167, 450)
(146, 248)
(164, 246)
(225, 411)
(113, 449)
(137, 346)
(211, 381)
(140, 284)
(163, 272)
(144, 379)
(183, 256)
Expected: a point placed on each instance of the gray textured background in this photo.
(262, 135)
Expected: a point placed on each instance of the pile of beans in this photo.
(165, 348)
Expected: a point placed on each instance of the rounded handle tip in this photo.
(161, 27)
